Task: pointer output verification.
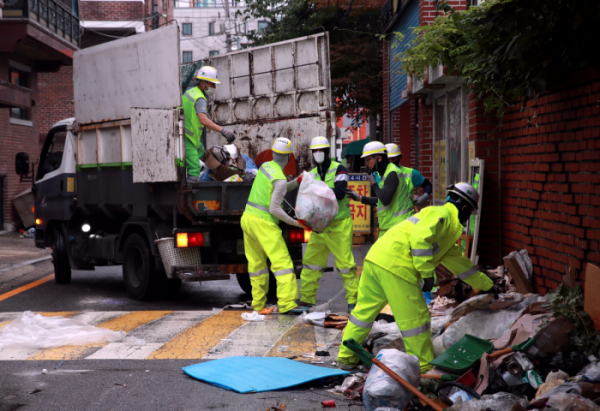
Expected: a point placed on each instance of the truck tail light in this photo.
(299, 235)
(185, 240)
(38, 221)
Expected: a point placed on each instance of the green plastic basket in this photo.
(463, 355)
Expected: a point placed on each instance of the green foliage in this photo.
(355, 44)
(568, 302)
(509, 49)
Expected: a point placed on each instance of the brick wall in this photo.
(57, 104)
(15, 138)
(112, 10)
(550, 155)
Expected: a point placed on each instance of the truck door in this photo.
(278, 90)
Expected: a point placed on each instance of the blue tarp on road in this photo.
(258, 374)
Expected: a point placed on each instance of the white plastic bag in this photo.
(381, 390)
(35, 331)
(253, 316)
(316, 203)
(383, 326)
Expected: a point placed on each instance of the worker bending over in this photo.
(336, 239)
(392, 198)
(262, 236)
(196, 120)
(407, 255)
(411, 176)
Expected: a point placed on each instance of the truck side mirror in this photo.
(22, 164)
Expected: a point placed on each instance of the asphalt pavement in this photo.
(146, 374)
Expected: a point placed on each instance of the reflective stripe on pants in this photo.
(377, 288)
(337, 238)
(262, 240)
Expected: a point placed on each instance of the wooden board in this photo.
(359, 239)
(520, 279)
(592, 285)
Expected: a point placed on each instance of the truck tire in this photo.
(246, 285)
(60, 259)
(142, 277)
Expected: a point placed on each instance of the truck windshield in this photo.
(52, 151)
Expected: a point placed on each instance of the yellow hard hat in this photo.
(319, 142)
(374, 147)
(393, 150)
(282, 145)
(208, 73)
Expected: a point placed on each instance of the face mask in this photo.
(209, 91)
(319, 157)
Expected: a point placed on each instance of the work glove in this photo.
(371, 178)
(304, 225)
(228, 134)
(353, 195)
(299, 179)
(427, 284)
(494, 290)
(420, 201)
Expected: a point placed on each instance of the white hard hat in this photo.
(374, 147)
(393, 150)
(319, 142)
(467, 192)
(282, 145)
(208, 73)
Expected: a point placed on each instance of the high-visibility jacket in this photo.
(414, 248)
(401, 206)
(406, 174)
(262, 190)
(193, 127)
(330, 179)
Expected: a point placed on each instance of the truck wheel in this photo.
(141, 276)
(246, 285)
(60, 259)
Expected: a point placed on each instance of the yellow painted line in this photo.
(195, 342)
(127, 323)
(300, 339)
(25, 287)
(65, 314)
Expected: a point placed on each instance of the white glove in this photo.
(420, 201)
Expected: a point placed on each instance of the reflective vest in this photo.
(414, 248)
(193, 128)
(343, 204)
(406, 173)
(262, 190)
(401, 206)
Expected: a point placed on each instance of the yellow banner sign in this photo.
(361, 213)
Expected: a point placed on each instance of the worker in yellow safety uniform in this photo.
(393, 201)
(411, 176)
(262, 236)
(336, 239)
(407, 255)
(197, 121)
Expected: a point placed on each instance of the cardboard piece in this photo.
(519, 277)
(591, 304)
(220, 172)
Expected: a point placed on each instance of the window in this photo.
(242, 28)
(187, 57)
(213, 53)
(52, 152)
(186, 29)
(20, 78)
(211, 28)
(451, 141)
(262, 26)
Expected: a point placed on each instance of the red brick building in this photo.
(542, 168)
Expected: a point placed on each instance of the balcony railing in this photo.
(49, 13)
(389, 10)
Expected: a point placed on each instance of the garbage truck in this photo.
(110, 186)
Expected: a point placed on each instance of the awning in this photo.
(355, 148)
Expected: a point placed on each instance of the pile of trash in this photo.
(515, 352)
(226, 163)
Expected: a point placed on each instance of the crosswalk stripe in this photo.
(253, 339)
(196, 341)
(300, 339)
(127, 323)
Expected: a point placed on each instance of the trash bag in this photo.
(500, 380)
(316, 203)
(501, 401)
(569, 362)
(570, 402)
(388, 341)
(35, 331)
(591, 371)
(381, 390)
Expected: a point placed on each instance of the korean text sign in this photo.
(361, 213)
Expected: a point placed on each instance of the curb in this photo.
(14, 267)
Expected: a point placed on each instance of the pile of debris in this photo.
(520, 351)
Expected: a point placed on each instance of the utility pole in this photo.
(227, 34)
